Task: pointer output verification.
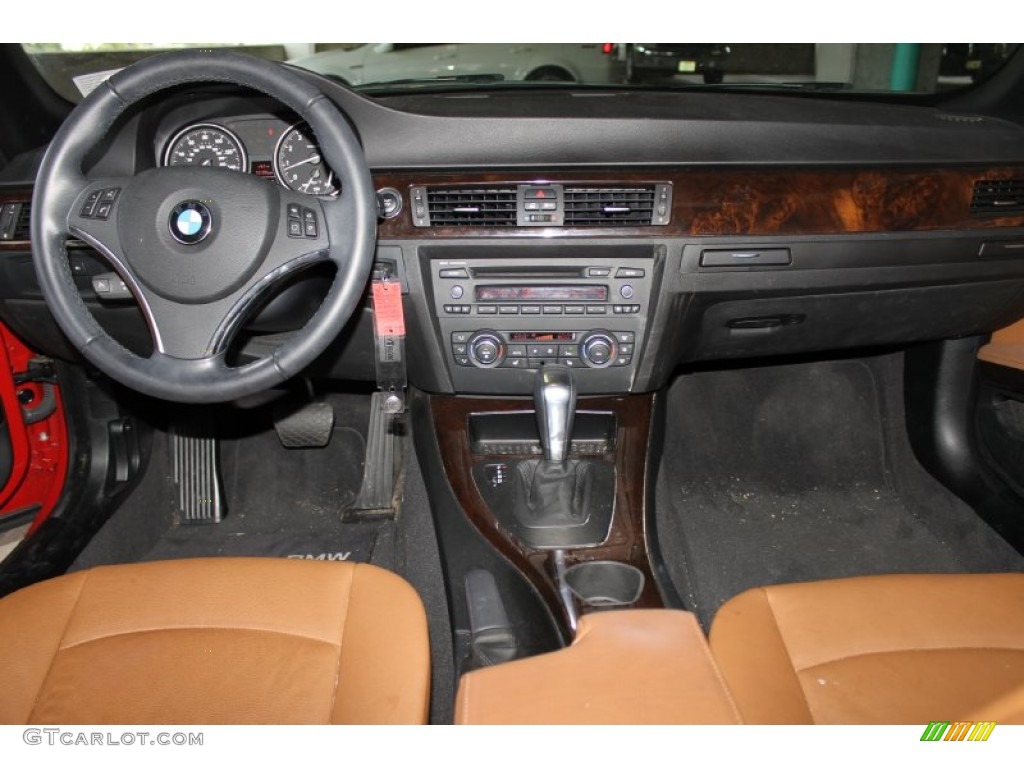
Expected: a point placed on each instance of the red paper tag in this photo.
(387, 308)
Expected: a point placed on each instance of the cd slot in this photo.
(533, 272)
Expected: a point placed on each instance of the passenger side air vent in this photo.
(617, 206)
(466, 207)
(15, 221)
(998, 197)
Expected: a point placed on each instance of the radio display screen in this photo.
(542, 293)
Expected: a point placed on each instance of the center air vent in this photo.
(543, 204)
(470, 206)
(998, 197)
(612, 206)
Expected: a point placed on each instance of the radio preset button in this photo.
(574, 309)
(530, 309)
(597, 309)
(487, 309)
(508, 309)
(551, 309)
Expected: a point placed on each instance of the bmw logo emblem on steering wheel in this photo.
(190, 222)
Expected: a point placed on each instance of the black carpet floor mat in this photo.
(281, 502)
(801, 472)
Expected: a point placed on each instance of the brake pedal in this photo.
(197, 473)
(309, 427)
(376, 496)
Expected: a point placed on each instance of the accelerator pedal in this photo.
(380, 467)
(197, 472)
(310, 426)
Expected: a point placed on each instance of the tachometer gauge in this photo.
(206, 145)
(299, 165)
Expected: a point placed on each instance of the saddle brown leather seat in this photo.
(215, 641)
(904, 649)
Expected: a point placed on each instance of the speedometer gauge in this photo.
(206, 145)
(299, 165)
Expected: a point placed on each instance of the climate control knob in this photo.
(486, 349)
(597, 349)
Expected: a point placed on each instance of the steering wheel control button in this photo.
(100, 203)
(310, 223)
(90, 204)
(190, 222)
(110, 286)
(302, 222)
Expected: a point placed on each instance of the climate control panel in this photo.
(533, 349)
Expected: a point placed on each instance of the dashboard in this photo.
(625, 234)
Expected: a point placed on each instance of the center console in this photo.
(501, 319)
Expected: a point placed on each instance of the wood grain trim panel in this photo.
(744, 202)
(627, 541)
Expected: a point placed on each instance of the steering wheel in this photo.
(199, 248)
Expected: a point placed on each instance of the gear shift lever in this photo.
(554, 397)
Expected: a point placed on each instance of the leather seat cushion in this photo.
(216, 640)
(880, 649)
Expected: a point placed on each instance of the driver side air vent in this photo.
(998, 197)
(470, 206)
(15, 222)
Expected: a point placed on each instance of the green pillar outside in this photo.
(904, 66)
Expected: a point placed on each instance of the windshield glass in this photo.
(73, 69)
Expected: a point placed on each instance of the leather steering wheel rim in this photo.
(348, 234)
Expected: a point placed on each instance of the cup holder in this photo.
(605, 583)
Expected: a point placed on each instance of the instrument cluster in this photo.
(263, 146)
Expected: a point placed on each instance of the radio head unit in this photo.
(502, 319)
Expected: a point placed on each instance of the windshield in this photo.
(73, 69)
